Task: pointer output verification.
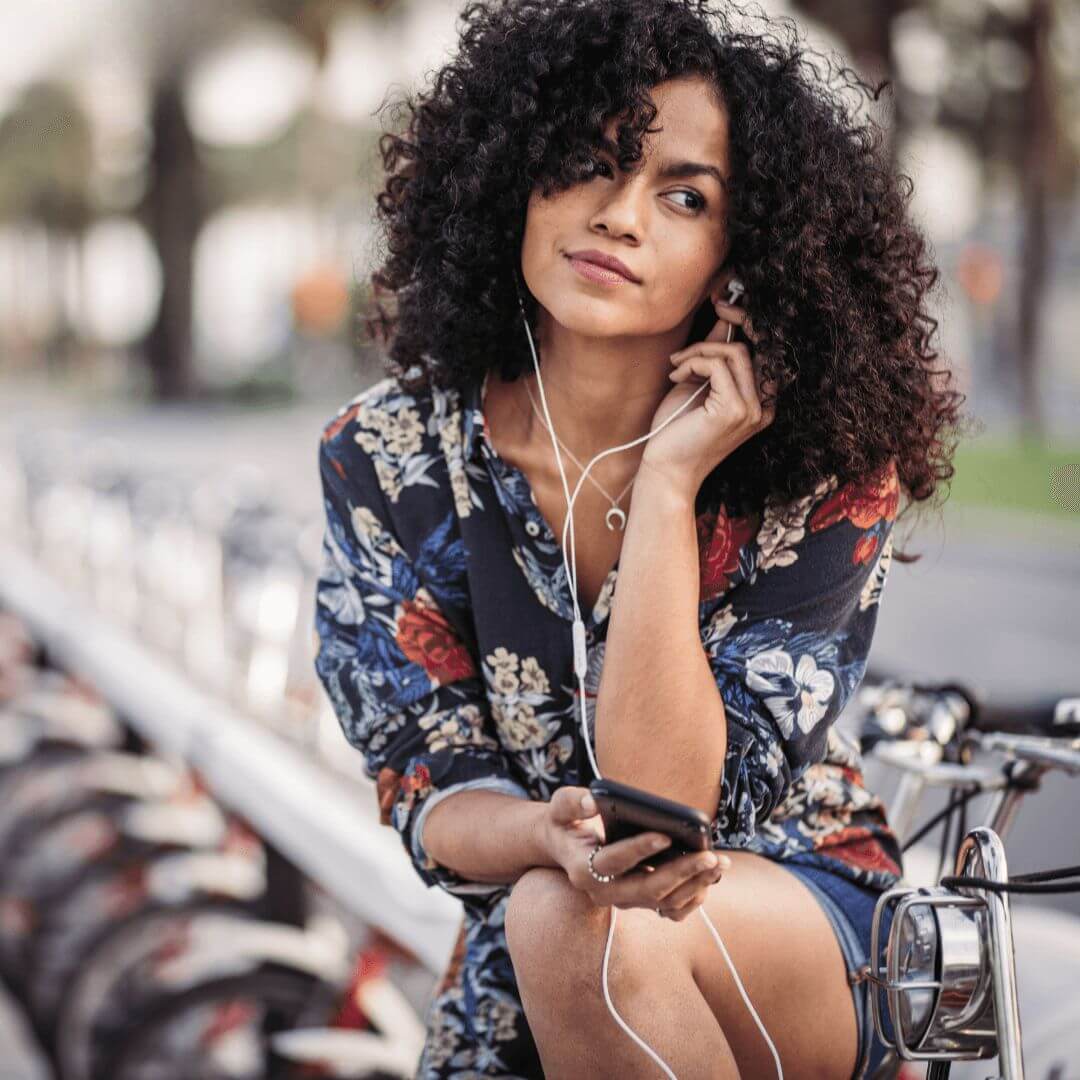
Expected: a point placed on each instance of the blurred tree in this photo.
(174, 209)
(865, 28)
(1039, 173)
(997, 73)
(180, 196)
(45, 155)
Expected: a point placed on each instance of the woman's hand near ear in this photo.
(721, 418)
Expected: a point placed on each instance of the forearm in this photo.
(487, 836)
(660, 721)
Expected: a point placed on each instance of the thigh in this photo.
(790, 963)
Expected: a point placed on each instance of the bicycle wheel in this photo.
(221, 1030)
(101, 1003)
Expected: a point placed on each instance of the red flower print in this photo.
(865, 549)
(858, 847)
(418, 783)
(720, 539)
(386, 788)
(425, 637)
(864, 504)
(332, 429)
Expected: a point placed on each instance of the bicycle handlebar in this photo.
(1050, 718)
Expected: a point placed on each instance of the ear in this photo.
(718, 287)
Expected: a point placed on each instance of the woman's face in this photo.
(665, 221)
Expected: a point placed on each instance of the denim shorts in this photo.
(850, 910)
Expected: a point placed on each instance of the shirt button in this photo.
(532, 528)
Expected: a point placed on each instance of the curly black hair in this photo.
(836, 274)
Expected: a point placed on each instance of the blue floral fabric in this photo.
(443, 614)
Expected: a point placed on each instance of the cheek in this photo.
(543, 237)
(675, 291)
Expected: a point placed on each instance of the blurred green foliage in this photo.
(1013, 474)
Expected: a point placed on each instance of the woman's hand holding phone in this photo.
(722, 418)
(571, 830)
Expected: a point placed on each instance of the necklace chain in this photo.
(616, 511)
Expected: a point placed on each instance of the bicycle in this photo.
(950, 978)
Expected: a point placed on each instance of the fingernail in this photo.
(659, 843)
(588, 806)
(708, 863)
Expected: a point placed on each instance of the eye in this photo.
(599, 163)
(693, 195)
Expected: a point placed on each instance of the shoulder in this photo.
(393, 436)
(857, 513)
(845, 524)
(386, 411)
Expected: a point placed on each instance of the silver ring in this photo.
(659, 912)
(602, 878)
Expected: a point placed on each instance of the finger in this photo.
(623, 856)
(723, 331)
(719, 375)
(681, 872)
(742, 370)
(688, 890)
(707, 348)
(570, 804)
(731, 313)
(685, 910)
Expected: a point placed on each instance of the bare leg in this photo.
(557, 938)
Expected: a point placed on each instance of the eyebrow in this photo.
(683, 170)
(679, 170)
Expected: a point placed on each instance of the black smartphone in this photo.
(627, 811)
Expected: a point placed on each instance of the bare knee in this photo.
(548, 919)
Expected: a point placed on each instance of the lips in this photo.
(608, 262)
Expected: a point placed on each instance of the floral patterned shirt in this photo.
(443, 613)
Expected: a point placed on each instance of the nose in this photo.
(622, 209)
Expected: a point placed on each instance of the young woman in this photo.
(728, 567)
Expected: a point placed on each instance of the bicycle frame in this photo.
(975, 1012)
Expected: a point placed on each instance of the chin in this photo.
(593, 316)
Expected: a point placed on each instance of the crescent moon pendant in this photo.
(618, 515)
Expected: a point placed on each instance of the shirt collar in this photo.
(473, 418)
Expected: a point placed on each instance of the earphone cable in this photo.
(580, 671)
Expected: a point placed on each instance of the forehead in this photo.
(693, 123)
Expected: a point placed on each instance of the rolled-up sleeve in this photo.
(402, 683)
(788, 646)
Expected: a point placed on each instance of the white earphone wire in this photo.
(580, 670)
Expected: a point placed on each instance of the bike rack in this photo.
(321, 825)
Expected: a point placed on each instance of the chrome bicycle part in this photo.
(950, 976)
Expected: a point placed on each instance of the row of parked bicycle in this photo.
(207, 567)
(150, 933)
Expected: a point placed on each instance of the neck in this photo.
(600, 392)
